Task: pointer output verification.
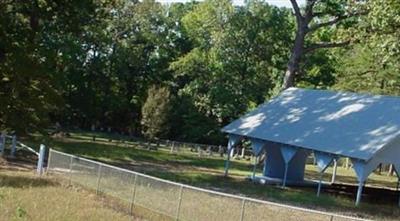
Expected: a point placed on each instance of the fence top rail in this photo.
(214, 192)
(28, 148)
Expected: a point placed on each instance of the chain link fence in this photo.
(173, 200)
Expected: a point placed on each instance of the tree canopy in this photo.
(96, 63)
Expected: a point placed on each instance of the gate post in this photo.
(40, 160)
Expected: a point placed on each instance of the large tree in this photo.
(32, 35)
(314, 16)
(372, 65)
(237, 57)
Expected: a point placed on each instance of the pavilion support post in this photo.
(334, 171)
(359, 192)
(321, 174)
(285, 175)
(233, 140)
(265, 164)
(323, 162)
(254, 169)
(363, 169)
(288, 153)
(227, 162)
(232, 152)
(320, 183)
(257, 147)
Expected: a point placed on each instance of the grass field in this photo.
(207, 172)
(25, 196)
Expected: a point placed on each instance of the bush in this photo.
(156, 113)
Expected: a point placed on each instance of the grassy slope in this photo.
(24, 196)
(208, 173)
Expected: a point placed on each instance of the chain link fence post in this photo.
(178, 210)
(48, 161)
(133, 193)
(41, 159)
(242, 210)
(98, 180)
(70, 170)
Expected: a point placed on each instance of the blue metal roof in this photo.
(347, 124)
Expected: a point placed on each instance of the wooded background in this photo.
(181, 71)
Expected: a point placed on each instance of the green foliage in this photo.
(84, 63)
(189, 123)
(235, 61)
(363, 71)
(156, 113)
(32, 33)
(319, 68)
(373, 64)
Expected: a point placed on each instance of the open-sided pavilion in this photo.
(298, 122)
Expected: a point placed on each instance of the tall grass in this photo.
(24, 196)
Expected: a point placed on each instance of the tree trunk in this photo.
(303, 21)
(288, 81)
(295, 57)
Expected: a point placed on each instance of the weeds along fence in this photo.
(173, 200)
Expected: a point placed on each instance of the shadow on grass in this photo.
(24, 182)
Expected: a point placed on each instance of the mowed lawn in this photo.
(207, 172)
(25, 196)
